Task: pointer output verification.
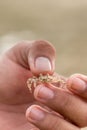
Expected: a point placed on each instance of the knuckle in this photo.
(20, 46)
(55, 124)
(65, 99)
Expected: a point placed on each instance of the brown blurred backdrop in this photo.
(62, 22)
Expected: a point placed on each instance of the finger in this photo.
(61, 81)
(39, 56)
(77, 83)
(63, 102)
(18, 64)
(47, 121)
(27, 126)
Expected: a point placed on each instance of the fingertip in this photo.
(43, 64)
(35, 114)
(28, 111)
(42, 57)
(74, 83)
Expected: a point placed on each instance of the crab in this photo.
(34, 81)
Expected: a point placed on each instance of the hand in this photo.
(16, 66)
(77, 84)
(69, 111)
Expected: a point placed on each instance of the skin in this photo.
(16, 66)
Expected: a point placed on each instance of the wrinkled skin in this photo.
(62, 109)
(16, 66)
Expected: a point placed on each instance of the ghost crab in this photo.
(34, 81)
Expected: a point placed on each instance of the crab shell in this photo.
(42, 79)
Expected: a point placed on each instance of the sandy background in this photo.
(62, 22)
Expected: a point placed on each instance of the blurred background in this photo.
(62, 22)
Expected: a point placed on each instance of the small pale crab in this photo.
(34, 81)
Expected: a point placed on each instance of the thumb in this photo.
(41, 57)
(38, 56)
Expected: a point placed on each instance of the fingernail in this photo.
(35, 114)
(43, 64)
(43, 92)
(77, 84)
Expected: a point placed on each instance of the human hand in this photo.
(68, 109)
(77, 84)
(16, 66)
